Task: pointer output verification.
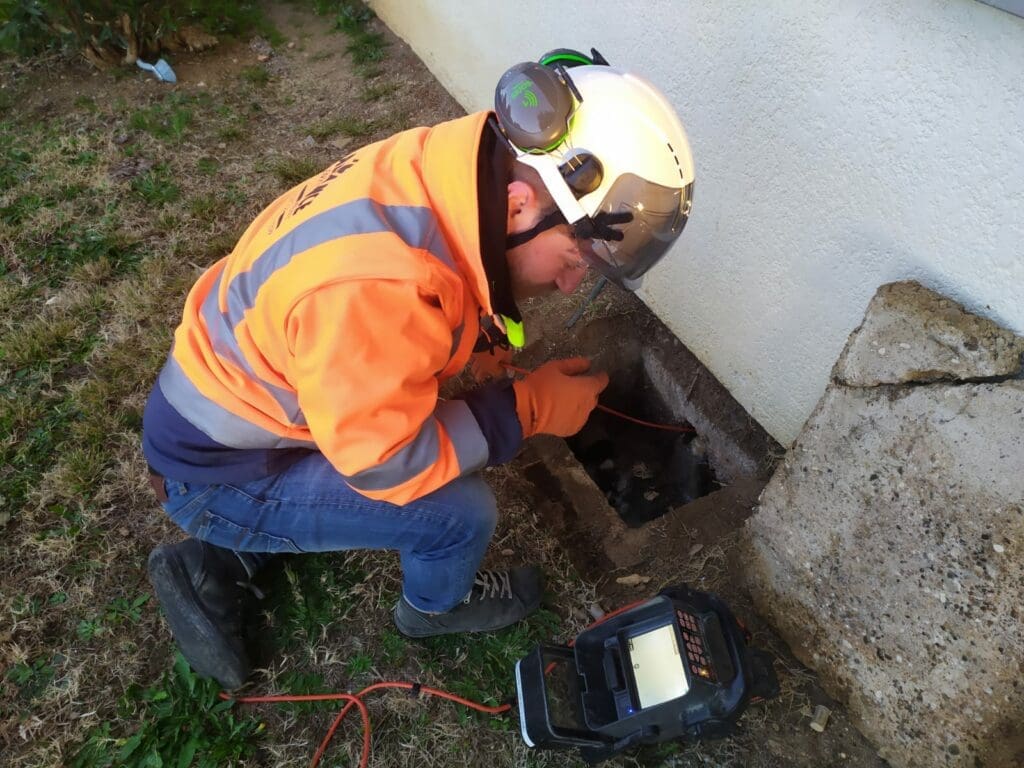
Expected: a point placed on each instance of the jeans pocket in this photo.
(222, 532)
(184, 506)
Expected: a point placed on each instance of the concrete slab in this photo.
(888, 549)
(912, 334)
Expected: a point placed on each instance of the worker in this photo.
(299, 408)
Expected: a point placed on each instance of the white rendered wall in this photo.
(839, 146)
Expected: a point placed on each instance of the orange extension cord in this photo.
(356, 700)
(606, 409)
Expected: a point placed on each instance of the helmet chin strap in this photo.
(597, 227)
(553, 219)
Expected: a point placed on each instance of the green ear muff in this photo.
(533, 104)
(534, 100)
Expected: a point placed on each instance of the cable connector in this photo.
(414, 690)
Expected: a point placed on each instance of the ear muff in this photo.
(533, 104)
(534, 101)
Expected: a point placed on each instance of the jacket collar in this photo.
(467, 167)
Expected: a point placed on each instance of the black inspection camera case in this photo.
(674, 667)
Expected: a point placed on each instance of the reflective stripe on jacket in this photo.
(336, 318)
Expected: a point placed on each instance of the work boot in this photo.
(498, 599)
(202, 589)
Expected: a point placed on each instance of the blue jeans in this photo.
(442, 537)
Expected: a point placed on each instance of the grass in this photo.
(348, 126)
(365, 47)
(257, 75)
(156, 186)
(167, 119)
(91, 285)
(291, 170)
(181, 722)
(378, 91)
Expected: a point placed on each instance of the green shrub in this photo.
(96, 27)
(181, 722)
(25, 27)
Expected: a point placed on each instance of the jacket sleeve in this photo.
(365, 357)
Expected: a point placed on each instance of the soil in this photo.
(693, 544)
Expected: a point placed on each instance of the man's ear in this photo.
(521, 201)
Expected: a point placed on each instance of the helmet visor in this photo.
(659, 215)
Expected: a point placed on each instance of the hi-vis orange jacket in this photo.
(334, 321)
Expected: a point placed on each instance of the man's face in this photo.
(549, 262)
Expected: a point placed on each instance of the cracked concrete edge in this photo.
(913, 335)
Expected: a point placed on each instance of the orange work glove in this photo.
(486, 366)
(557, 398)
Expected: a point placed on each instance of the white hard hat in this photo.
(610, 151)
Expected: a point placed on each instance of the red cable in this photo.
(606, 409)
(356, 700)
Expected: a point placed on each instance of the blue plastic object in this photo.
(161, 69)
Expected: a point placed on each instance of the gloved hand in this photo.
(486, 366)
(557, 398)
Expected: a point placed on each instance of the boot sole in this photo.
(208, 650)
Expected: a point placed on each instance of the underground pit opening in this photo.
(653, 376)
(643, 471)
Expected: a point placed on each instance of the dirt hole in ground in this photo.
(643, 471)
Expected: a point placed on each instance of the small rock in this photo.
(262, 48)
(999, 548)
(130, 168)
(881, 351)
(596, 611)
(633, 580)
(695, 549)
(507, 552)
(200, 84)
(291, 44)
(642, 471)
(307, 143)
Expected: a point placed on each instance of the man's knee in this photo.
(481, 508)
